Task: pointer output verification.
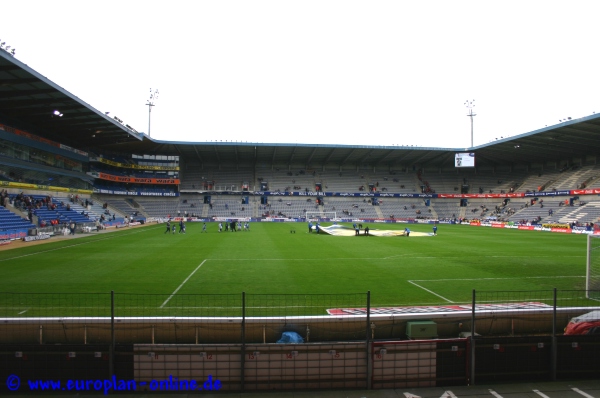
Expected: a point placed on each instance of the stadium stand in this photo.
(12, 221)
(154, 207)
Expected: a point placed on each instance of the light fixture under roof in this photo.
(57, 113)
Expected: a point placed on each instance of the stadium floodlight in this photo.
(150, 104)
(57, 113)
(470, 105)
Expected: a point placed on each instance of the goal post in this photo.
(592, 269)
(318, 215)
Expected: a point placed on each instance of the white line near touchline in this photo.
(427, 290)
(182, 283)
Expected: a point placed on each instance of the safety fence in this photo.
(282, 342)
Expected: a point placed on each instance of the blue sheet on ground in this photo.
(290, 337)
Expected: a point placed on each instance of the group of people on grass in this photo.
(232, 226)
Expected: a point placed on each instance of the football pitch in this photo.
(280, 265)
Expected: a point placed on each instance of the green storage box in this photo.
(417, 330)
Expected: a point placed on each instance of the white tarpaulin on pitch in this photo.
(340, 230)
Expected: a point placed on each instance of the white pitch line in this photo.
(578, 391)
(182, 283)
(183, 308)
(573, 256)
(22, 312)
(393, 257)
(493, 279)
(69, 246)
(495, 394)
(377, 258)
(541, 394)
(435, 294)
(51, 250)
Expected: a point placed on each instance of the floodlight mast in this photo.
(150, 104)
(470, 105)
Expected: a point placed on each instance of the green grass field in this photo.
(276, 268)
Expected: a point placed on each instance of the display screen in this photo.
(464, 159)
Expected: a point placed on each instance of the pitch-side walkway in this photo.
(572, 389)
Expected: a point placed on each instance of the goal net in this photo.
(318, 215)
(592, 276)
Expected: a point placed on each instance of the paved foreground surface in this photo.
(539, 390)
(571, 389)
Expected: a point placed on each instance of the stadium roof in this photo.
(28, 101)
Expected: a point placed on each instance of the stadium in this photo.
(430, 267)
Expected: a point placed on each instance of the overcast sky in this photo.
(318, 72)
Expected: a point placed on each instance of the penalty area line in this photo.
(429, 291)
(182, 283)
